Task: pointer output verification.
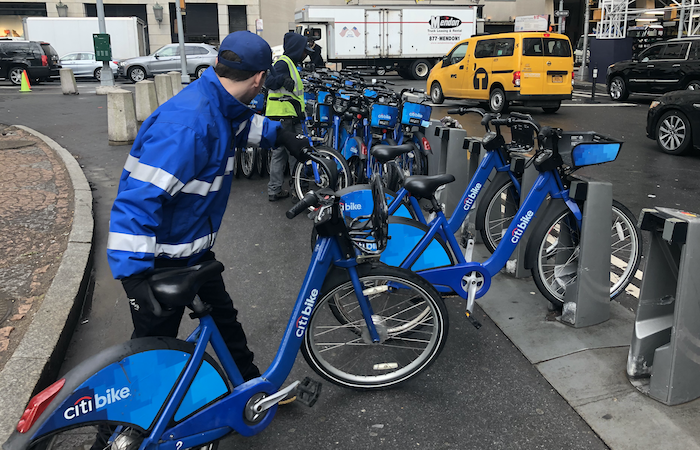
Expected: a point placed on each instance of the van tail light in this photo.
(44, 60)
(516, 79)
(573, 76)
(363, 149)
(38, 404)
(426, 145)
(547, 35)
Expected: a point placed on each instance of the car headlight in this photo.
(654, 104)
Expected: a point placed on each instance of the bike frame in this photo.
(219, 418)
(547, 184)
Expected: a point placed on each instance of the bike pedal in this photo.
(473, 320)
(308, 391)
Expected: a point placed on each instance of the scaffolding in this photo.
(691, 22)
(613, 19)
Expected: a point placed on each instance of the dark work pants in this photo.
(224, 314)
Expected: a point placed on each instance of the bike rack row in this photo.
(665, 349)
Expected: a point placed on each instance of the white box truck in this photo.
(74, 34)
(410, 39)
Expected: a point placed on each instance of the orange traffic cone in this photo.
(25, 87)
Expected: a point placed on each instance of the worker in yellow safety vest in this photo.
(285, 81)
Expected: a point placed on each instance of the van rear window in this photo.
(546, 47)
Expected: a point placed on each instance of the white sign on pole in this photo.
(258, 25)
(532, 23)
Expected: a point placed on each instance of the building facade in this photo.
(210, 21)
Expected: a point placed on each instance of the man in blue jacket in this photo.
(284, 81)
(176, 183)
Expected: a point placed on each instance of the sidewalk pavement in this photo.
(600, 87)
(46, 225)
(586, 365)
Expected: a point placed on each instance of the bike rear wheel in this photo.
(558, 250)
(410, 318)
(500, 212)
(249, 160)
(99, 436)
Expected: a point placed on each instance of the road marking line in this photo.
(601, 105)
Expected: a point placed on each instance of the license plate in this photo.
(557, 79)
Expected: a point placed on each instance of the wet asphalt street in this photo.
(480, 394)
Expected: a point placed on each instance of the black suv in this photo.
(39, 59)
(663, 67)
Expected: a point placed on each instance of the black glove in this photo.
(296, 144)
(140, 296)
(288, 84)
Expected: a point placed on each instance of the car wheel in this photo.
(436, 95)
(200, 71)
(381, 71)
(673, 133)
(693, 86)
(136, 74)
(551, 109)
(15, 75)
(97, 74)
(420, 69)
(497, 100)
(618, 89)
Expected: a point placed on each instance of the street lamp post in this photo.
(181, 41)
(106, 76)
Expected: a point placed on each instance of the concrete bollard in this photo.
(164, 88)
(68, 84)
(121, 117)
(176, 80)
(146, 100)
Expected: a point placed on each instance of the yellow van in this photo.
(528, 68)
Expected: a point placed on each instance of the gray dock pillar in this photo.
(587, 300)
(146, 99)
(176, 81)
(121, 117)
(666, 340)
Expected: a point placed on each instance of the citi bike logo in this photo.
(471, 198)
(350, 206)
(87, 404)
(303, 320)
(384, 116)
(444, 22)
(415, 114)
(520, 227)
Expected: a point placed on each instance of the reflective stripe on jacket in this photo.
(276, 108)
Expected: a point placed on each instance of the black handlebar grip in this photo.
(518, 115)
(308, 200)
(499, 122)
(454, 111)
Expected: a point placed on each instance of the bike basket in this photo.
(414, 113)
(587, 148)
(383, 116)
(258, 103)
(309, 96)
(322, 113)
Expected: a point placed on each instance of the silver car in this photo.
(84, 64)
(167, 59)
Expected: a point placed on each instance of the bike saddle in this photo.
(385, 153)
(174, 287)
(424, 186)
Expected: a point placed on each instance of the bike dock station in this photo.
(665, 346)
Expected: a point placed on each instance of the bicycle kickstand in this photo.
(471, 280)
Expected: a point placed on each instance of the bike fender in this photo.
(555, 207)
(126, 384)
(487, 195)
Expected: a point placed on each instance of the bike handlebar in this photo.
(308, 201)
(464, 110)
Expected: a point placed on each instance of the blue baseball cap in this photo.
(255, 53)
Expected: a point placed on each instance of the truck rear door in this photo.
(373, 35)
(559, 64)
(393, 28)
(532, 66)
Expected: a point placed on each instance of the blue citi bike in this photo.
(359, 323)
(431, 249)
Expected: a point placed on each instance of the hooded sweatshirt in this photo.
(294, 46)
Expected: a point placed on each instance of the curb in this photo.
(37, 359)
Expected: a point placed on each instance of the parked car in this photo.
(83, 64)
(39, 59)
(167, 59)
(661, 68)
(530, 68)
(674, 121)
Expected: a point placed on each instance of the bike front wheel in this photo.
(410, 318)
(558, 251)
(305, 178)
